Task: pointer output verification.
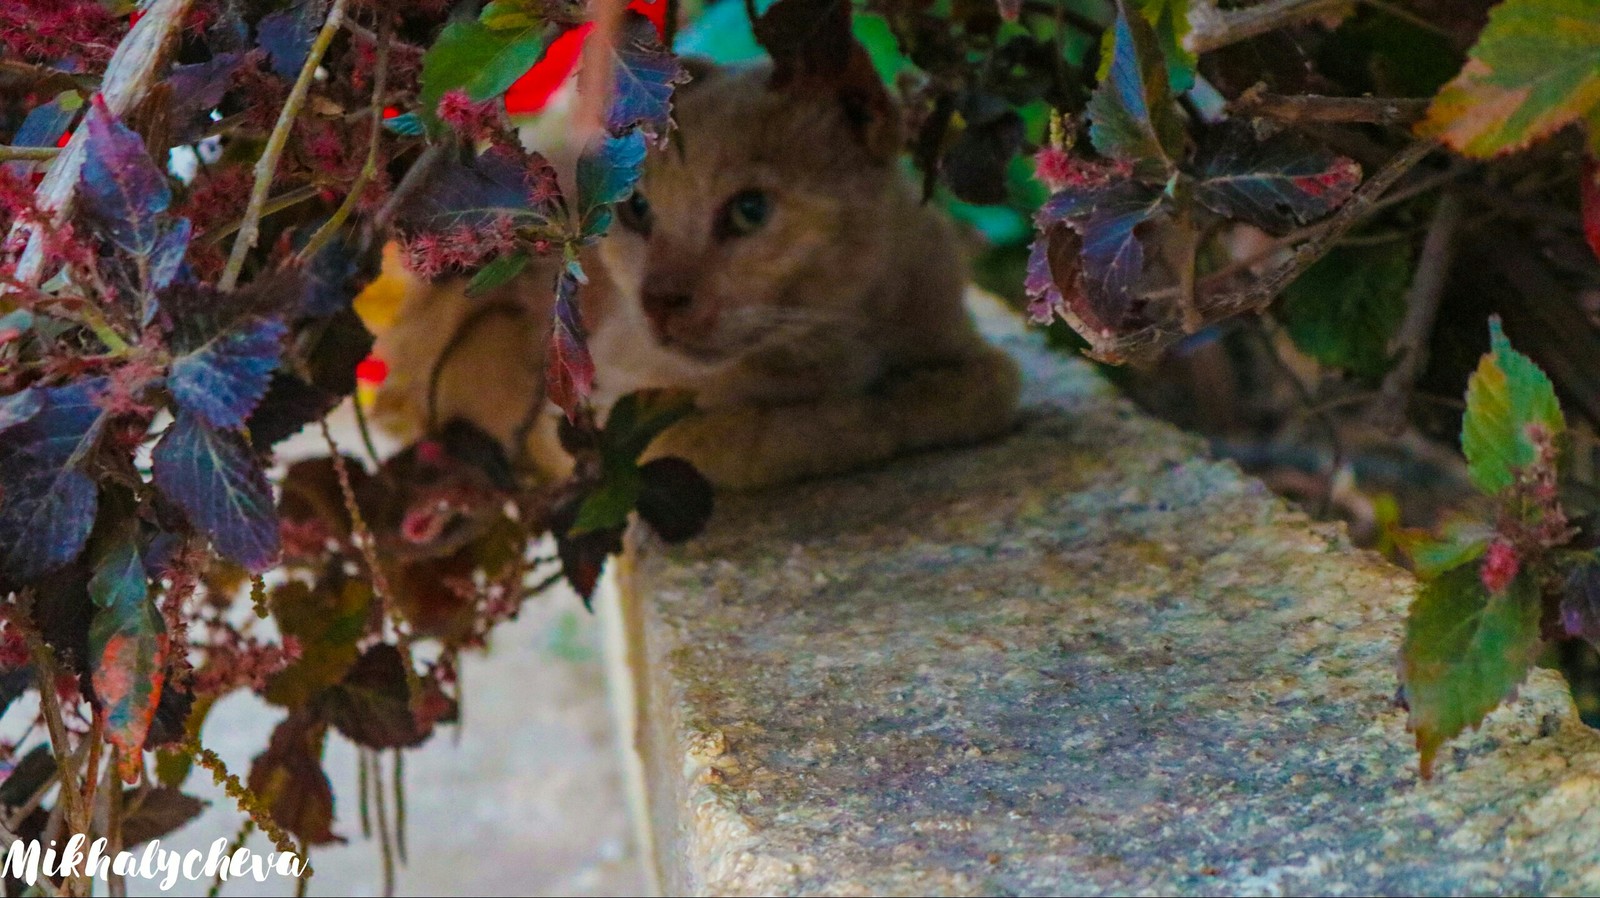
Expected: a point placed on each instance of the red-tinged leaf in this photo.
(127, 642)
(1465, 652)
(290, 780)
(643, 75)
(569, 369)
(1534, 70)
(217, 479)
(1507, 398)
(371, 706)
(1108, 220)
(224, 379)
(1131, 113)
(1589, 196)
(1055, 270)
(1277, 184)
(47, 502)
(121, 188)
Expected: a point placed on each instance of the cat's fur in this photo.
(832, 337)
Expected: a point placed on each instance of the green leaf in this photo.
(1461, 540)
(479, 60)
(1131, 116)
(127, 641)
(509, 15)
(638, 418)
(1506, 396)
(1465, 652)
(1534, 70)
(498, 272)
(1343, 311)
(327, 622)
(608, 506)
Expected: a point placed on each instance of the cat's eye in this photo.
(634, 213)
(747, 211)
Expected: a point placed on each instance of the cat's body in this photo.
(773, 262)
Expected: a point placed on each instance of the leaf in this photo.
(1170, 18)
(975, 164)
(1589, 197)
(197, 89)
(47, 502)
(157, 812)
(1580, 602)
(19, 408)
(287, 35)
(1461, 540)
(1534, 70)
(1465, 652)
(371, 706)
(1108, 220)
(638, 418)
(166, 257)
(127, 642)
(215, 477)
(499, 272)
(479, 60)
(224, 379)
(1344, 310)
(1277, 184)
(607, 171)
(1131, 115)
(289, 779)
(569, 369)
(327, 621)
(1507, 397)
(468, 192)
(643, 74)
(122, 189)
(674, 498)
(606, 507)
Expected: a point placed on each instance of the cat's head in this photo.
(763, 219)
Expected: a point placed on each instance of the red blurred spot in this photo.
(64, 139)
(372, 370)
(1589, 198)
(532, 91)
(390, 112)
(134, 17)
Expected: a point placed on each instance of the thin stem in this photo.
(116, 885)
(272, 206)
(1211, 28)
(1297, 109)
(369, 169)
(267, 165)
(11, 153)
(382, 813)
(1422, 309)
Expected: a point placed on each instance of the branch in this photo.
(1211, 28)
(1422, 309)
(369, 169)
(1150, 340)
(267, 165)
(128, 78)
(14, 153)
(1298, 109)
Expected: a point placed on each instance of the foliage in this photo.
(1149, 172)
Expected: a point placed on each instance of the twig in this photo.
(382, 813)
(1211, 28)
(410, 182)
(1422, 309)
(116, 885)
(369, 169)
(277, 204)
(128, 78)
(267, 165)
(1296, 109)
(10, 153)
(1149, 340)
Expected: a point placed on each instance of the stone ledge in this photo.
(1083, 660)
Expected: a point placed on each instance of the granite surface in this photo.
(1085, 659)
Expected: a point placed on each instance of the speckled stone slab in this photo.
(1086, 659)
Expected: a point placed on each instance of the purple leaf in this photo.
(607, 171)
(1131, 114)
(287, 35)
(215, 477)
(1107, 220)
(1277, 184)
(123, 190)
(642, 80)
(47, 502)
(224, 379)
(1580, 603)
(289, 405)
(569, 370)
(470, 193)
(42, 127)
(19, 408)
(166, 257)
(196, 90)
(371, 706)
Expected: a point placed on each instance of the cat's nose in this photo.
(660, 305)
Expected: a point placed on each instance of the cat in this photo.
(774, 261)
